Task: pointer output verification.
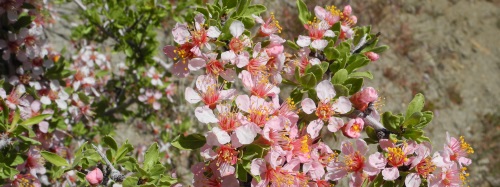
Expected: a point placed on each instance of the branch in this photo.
(124, 105)
(115, 174)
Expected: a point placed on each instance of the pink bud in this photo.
(361, 99)
(94, 177)
(372, 56)
(347, 10)
(354, 20)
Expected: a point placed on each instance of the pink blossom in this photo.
(372, 56)
(34, 163)
(151, 97)
(351, 161)
(209, 176)
(155, 77)
(94, 177)
(317, 31)
(458, 150)
(353, 128)
(365, 96)
(258, 84)
(396, 156)
(209, 91)
(446, 176)
(326, 109)
(224, 157)
(331, 16)
(258, 110)
(268, 27)
(55, 93)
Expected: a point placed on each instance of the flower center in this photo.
(228, 121)
(214, 67)
(324, 110)
(396, 156)
(226, 154)
(236, 45)
(200, 37)
(425, 167)
(354, 162)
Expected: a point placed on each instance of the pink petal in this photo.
(243, 103)
(320, 12)
(335, 123)
(347, 148)
(258, 167)
(319, 44)
(190, 95)
(246, 78)
(236, 28)
(213, 32)
(325, 90)
(222, 136)
(247, 133)
(303, 41)
(390, 174)
(377, 160)
(308, 105)
(385, 143)
(362, 146)
(196, 64)
(205, 115)
(342, 105)
(413, 180)
(169, 51)
(314, 128)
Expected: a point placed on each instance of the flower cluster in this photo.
(276, 140)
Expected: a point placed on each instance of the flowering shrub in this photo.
(267, 104)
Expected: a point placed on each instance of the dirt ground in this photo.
(447, 50)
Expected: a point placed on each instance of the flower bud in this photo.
(372, 56)
(94, 177)
(347, 10)
(361, 99)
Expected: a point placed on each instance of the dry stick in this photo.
(115, 174)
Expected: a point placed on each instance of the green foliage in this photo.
(192, 141)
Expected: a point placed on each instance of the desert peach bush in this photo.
(59, 109)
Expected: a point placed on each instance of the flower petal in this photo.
(308, 105)
(205, 115)
(303, 41)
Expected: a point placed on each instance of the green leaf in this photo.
(356, 84)
(152, 156)
(296, 95)
(316, 71)
(416, 105)
(35, 120)
(380, 49)
(229, 3)
(426, 118)
(366, 74)
(341, 90)
(308, 81)
(304, 14)
(253, 9)
(7, 172)
(339, 77)
(413, 120)
(110, 141)
(413, 134)
(22, 22)
(422, 139)
(54, 159)
(241, 173)
(324, 66)
(252, 151)
(360, 62)
(241, 7)
(331, 53)
(123, 150)
(391, 122)
(192, 141)
(29, 140)
(371, 132)
(292, 45)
